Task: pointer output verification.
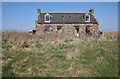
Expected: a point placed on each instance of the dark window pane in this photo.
(47, 17)
(87, 29)
(87, 18)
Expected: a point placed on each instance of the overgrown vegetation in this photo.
(59, 57)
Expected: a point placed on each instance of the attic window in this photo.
(47, 18)
(87, 18)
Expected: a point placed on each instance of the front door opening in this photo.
(59, 30)
(77, 31)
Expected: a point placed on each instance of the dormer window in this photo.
(87, 18)
(47, 18)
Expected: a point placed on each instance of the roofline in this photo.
(70, 23)
(65, 12)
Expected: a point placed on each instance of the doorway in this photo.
(59, 30)
(77, 31)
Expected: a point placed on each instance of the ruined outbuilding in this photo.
(67, 23)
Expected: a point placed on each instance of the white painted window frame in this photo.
(85, 17)
(47, 14)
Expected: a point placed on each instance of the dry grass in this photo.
(111, 33)
(58, 56)
(14, 35)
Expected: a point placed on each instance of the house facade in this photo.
(67, 23)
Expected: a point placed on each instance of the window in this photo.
(87, 18)
(48, 18)
(47, 29)
(87, 29)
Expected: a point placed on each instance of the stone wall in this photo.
(68, 29)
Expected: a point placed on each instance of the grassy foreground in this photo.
(64, 57)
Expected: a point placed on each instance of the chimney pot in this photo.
(91, 10)
(38, 10)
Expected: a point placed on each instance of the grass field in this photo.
(23, 55)
(112, 33)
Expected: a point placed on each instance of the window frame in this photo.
(45, 18)
(88, 29)
(86, 16)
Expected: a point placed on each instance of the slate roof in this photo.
(66, 18)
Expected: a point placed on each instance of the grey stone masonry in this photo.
(67, 23)
(67, 29)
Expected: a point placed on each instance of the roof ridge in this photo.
(64, 12)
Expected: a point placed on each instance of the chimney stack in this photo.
(91, 10)
(38, 14)
(38, 10)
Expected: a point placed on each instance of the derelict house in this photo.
(67, 23)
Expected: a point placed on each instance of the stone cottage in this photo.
(67, 23)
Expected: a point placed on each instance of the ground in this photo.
(51, 56)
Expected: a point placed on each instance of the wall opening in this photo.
(87, 29)
(47, 29)
(59, 30)
(77, 31)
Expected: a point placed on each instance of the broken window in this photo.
(87, 29)
(59, 30)
(47, 29)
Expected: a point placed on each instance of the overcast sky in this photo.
(22, 15)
